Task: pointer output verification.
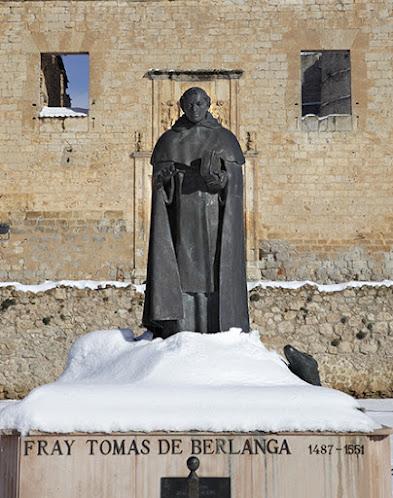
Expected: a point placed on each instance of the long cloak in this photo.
(163, 296)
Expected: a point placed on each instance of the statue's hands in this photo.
(164, 172)
(212, 171)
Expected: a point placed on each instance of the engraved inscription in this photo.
(42, 447)
(160, 446)
(330, 449)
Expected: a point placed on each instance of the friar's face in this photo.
(195, 107)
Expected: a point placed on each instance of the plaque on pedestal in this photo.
(195, 487)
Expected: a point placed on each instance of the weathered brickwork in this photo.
(319, 204)
(349, 332)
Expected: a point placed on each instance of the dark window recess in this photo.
(4, 228)
(326, 82)
(65, 81)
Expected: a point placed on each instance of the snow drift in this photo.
(219, 382)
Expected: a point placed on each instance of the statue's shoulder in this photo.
(167, 136)
(227, 135)
(229, 144)
(166, 139)
(226, 132)
(165, 146)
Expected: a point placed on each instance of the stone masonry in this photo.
(350, 332)
(319, 201)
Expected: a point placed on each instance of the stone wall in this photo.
(349, 332)
(319, 203)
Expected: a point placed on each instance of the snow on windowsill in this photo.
(63, 112)
(321, 118)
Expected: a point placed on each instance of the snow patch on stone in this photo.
(77, 284)
(297, 284)
(265, 284)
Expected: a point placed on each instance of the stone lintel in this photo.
(194, 75)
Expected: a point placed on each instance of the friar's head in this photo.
(195, 103)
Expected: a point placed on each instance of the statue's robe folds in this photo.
(196, 275)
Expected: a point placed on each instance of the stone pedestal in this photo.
(143, 465)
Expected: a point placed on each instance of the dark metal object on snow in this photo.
(303, 365)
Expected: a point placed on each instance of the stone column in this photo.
(142, 201)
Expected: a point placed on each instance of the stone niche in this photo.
(167, 87)
(232, 465)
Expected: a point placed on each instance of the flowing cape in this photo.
(163, 296)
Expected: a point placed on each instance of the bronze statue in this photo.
(196, 276)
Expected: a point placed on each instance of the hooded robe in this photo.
(196, 274)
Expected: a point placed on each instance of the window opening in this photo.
(326, 82)
(64, 85)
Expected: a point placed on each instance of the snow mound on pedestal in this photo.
(219, 382)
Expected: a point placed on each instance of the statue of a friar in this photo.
(196, 274)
